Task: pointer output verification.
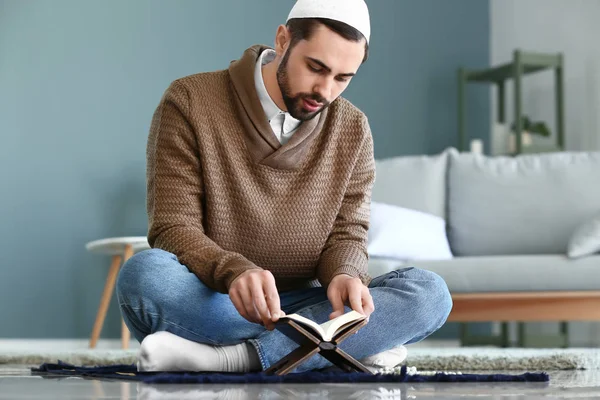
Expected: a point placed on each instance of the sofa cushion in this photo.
(506, 273)
(406, 234)
(416, 182)
(586, 239)
(530, 204)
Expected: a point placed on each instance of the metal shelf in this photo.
(523, 63)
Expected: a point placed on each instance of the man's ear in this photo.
(282, 40)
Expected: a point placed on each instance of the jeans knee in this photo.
(438, 295)
(432, 295)
(142, 270)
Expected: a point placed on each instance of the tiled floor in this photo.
(16, 382)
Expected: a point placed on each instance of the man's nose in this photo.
(324, 88)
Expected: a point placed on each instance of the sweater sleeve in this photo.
(345, 251)
(175, 196)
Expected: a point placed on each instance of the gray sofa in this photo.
(509, 222)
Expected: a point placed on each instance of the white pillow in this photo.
(586, 239)
(405, 234)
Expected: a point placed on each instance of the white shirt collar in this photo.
(271, 109)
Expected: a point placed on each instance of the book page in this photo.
(330, 328)
(305, 321)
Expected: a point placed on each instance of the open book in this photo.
(327, 331)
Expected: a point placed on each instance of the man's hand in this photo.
(255, 296)
(346, 290)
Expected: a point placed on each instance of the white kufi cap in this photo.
(351, 12)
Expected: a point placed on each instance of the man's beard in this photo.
(295, 104)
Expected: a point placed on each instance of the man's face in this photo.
(315, 72)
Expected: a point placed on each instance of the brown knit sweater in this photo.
(225, 196)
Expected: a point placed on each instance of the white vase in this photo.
(504, 142)
(500, 143)
(477, 146)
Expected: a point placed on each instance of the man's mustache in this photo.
(315, 97)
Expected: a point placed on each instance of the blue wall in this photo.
(79, 82)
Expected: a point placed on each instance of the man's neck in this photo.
(269, 73)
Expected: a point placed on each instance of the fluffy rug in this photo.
(488, 358)
(432, 359)
(88, 357)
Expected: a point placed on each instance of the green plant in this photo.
(539, 127)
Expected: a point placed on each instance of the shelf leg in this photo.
(560, 105)
(462, 139)
(501, 101)
(518, 72)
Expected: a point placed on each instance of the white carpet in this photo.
(440, 359)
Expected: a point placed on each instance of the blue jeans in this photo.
(157, 293)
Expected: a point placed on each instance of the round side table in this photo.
(121, 249)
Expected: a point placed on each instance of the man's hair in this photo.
(303, 28)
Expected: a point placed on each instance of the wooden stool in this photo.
(121, 249)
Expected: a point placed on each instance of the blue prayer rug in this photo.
(129, 372)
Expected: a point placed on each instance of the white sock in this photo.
(386, 359)
(164, 351)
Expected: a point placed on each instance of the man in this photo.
(259, 184)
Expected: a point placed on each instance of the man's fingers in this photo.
(355, 298)
(259, 301)
(254, 294)
(367, 302)
(248, 301)
(238, 303)
(240, 294)
(272, 296)
(337, 303)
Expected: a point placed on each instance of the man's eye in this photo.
(342, 79)
(313, 69)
